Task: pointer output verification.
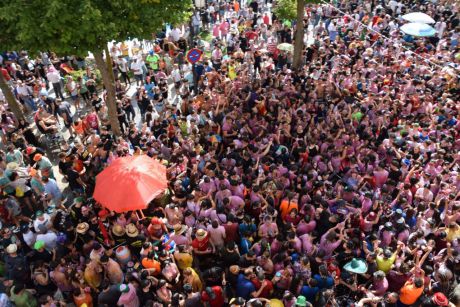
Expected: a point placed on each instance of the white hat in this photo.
(12, 248)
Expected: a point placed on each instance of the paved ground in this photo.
(52, 152)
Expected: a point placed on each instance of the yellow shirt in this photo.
(124, 49)
(385, 264)
(452, 233)
(183, 260)
(231, 72)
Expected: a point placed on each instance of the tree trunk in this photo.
(299, 34)
(111, 101)
(108, 60)
(12, 102)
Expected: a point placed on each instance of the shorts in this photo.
(138, 77)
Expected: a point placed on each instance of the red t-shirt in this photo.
(202, 245)
(251, 35)
(266, 20)
(231, 232)
(218, 301)
(6, 75)
(267, 289)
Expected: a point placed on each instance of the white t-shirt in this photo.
(29, 238)
(49, 238)
(176, 75)
(122, 64)
(136, 67)
(46, 221)
(23, 90)
(53, 77)
(175, 34)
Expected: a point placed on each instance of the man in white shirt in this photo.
(440, 26)
(176, 75)
(49, 237)
(136, 67)
(28, 236)
(24, 93)
(196, 22)
(54, 77)
(175, 34)
(123, 67)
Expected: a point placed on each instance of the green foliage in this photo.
(286, 9)
(82, 73)
(76, 27)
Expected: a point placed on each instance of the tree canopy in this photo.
(76, 27)
(287, 9)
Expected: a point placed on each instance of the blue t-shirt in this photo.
(246, 229)
(199, 69)
(309, 293)
(244, 287)
(149, 89)
(324, 282)
(245, 245)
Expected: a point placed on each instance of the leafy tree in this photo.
(70, 27)
(299, 34)
(286, 9)
(8, 37)
(290, 10)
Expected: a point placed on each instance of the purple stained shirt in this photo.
(403, 236)
(304, 228)
(223, 194)
(208, 187)
(328, 247)
(380, 177)
(366, 204)
(236, 202)
(238, 190)
(380, 286)
(179, 239)
(386, 237)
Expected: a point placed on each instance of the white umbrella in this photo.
(418, 29)
(418, 17)
(286, 47)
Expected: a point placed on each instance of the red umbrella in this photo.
(130, 183)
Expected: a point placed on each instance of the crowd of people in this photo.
(335, 184)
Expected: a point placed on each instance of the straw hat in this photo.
(131, 230)
(12, 166)
(179, 229)
(201, 234)
(82, 227)
(118, 230)
(12, 248)
(234, 269)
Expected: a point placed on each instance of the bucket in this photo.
(123, 255)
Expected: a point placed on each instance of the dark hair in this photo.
(418, 282)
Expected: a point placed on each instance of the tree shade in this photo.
(70, 27)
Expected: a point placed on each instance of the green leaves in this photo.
(76, 27)
(286, 9)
